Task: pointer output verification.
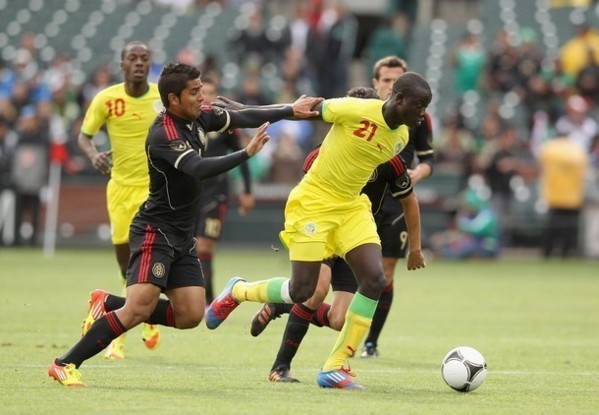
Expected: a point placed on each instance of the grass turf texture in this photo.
(536, 323)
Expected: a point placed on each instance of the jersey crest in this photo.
(177, 145)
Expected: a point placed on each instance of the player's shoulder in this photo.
(164, 129)
(154, 89)
(350, 107)
(395, 167)
(113, 90)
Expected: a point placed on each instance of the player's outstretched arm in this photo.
(191, 163)
(252, 116)
(412, 217)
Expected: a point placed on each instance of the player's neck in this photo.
(392, 119)
(136, 89)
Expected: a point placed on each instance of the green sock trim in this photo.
(363, 306)
(273, 290)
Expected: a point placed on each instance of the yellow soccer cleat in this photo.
(67, 375)
(151, 336)
(95, 311)
(116, 349)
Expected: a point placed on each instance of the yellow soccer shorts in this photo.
(316, 228)
(123, 202)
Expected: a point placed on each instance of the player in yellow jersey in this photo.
(326, 214)
(127, 109)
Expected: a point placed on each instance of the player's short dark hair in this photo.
(363, 92)
(390, 62)
(131, 44)
(412, 84)
(174, 78)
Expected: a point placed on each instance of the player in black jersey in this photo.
(215, 195)
(163, 257)
(390, 221)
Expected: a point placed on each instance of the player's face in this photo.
(412, 110)
(384, 85)
(136, 63)
(191, 99)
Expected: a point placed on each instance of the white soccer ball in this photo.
(464, 369)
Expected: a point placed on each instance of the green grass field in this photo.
(537, 324)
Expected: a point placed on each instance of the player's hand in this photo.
(414, 176)
(302, 107)
(246, 203)
(226, 103)
(415, 260)
(102, 161)
(258, 140)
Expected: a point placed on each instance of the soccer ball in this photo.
(464, 369)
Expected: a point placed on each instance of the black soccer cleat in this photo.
(267, 313)
(281, 374)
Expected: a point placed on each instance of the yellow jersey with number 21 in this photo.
(356, 144)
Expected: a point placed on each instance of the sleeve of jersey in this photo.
(255, 117)
(218, 119)
(186, 159)
(202, 168)
(424, 142)
(334, 109)
(95, 116)
(400, 184)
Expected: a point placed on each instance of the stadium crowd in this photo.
(42, 105)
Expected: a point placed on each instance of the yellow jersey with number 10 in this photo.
(127, 120)
(356, 144)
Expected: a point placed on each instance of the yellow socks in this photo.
(357, 322)
(274, 290)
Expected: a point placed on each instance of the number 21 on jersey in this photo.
(367, 131)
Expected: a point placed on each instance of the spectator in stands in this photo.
(587, 81)
(577, 123)
(455, 148)
(475, 234)
(102, 78)
(500, 160)
(29, 171)
(488, 131)
(8, 142)
(251, 90)
(385, 40)
(250, 41)
(548, 89)
(468, 59)
(337, 31)
(575, 52)
(563, 169)
(406, 11)
(502, 62)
